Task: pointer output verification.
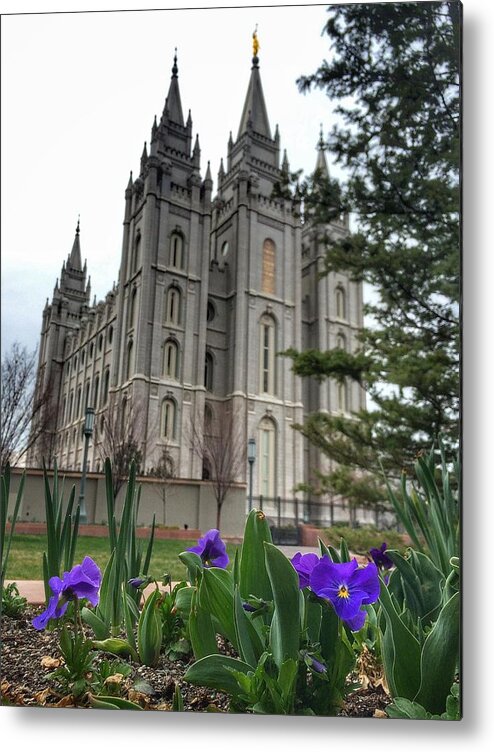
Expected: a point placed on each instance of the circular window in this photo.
(211, 313)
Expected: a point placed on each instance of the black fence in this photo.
(285, 515)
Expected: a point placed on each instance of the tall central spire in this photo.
(254, 114)
(173, 106)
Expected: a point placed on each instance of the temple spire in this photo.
(321, 164)
(75, 254)
(173, 104)
(254, 114)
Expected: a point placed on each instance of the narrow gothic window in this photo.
(78, 403)
(168, 419)
(106, 386)
(136, 254)
(86, 395)
(268, 267)
(267, 355)
(208, 372)
(267, 450)
(130, 355)
(96, 390)
(71, 406)
(132, 308)
(176, 251)
(343, 397)
(172, 313)
(340, 303)
(170, 359)
(341, 341)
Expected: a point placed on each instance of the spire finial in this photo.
(77, 229)
(175, 66)
(321, 143)
(255, 43)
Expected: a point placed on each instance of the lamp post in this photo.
(88, 432)
(251, 456)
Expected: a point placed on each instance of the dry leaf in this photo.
(48, 662)
(379, 713)
(114, 679)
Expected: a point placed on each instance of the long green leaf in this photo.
(439, 658)
(401, 652)
(249, 643)
(253, 574)
(201, 631)
(285, 625)
(216, 672)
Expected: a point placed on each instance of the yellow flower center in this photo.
(343, 592)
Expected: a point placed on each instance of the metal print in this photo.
(230, 459)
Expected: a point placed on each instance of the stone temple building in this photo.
(213, 285)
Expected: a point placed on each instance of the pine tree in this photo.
(395, 75)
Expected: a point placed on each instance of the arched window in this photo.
(130, 360)
(268, 267)
(64, 409)
(343, 397)
(136, 253)
(172, 306)
(176, 250)
(341, 341)
(87, 391)
(100, 342)
(267, 342)
(71, 407)
(132, 308)
(168, 419)
(110, 335)
(340, 303)
(170, 359)
(106, 386)
(267, 457)
(96, 391)
(78, 402)
(208, 419)
(208, 372)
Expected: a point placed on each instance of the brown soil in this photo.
(27, 658)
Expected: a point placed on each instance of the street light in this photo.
(88, 432)
(251, 456)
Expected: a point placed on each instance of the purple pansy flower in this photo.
(380, 558)
(82, 581)
(212, 550)
(347, 588)
(304, 564)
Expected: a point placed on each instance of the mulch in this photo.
(28, 656)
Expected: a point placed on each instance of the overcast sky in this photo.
(79, 95)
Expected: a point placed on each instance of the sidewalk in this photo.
(34, 591)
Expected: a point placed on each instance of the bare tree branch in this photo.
(25, 410)
(218, 440)
(119, 435)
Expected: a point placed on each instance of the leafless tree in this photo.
(217, 438)
(164, 472)
(25, 410)
(119, 436)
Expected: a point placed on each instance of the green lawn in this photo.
(26, 556)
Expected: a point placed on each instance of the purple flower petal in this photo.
(211, 549)
(367, 580)
(357, 622)
(304, 564)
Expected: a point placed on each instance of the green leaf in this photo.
(249, 643)
(253, 574)
(150, 631)
(108, 702)
(216, 672)
(97, 624)
(216, 596)
(400, 650)
(439, 658)
(285, 624)
(201, 630)
(401, 707)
